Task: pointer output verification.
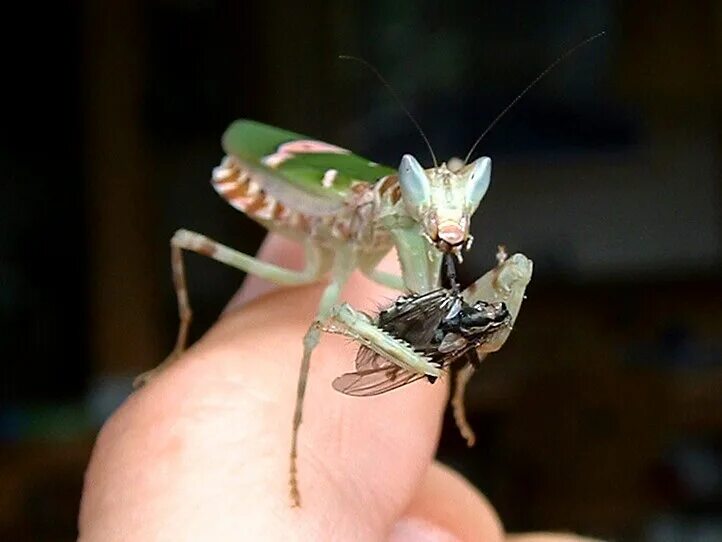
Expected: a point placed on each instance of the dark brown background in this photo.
(603, 414)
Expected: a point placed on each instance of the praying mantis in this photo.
(348, 213)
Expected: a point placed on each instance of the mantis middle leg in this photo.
(344, 264)
(316, 266)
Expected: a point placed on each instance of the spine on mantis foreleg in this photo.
(362, 329)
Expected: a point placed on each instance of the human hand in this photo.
(201, 453)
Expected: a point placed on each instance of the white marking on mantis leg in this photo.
(225, 187)
(269, 206)
(253, 188)
(241, 204)
(221, 173)
(329, 177)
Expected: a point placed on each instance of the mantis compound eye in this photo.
(414, 184)
(479, 177)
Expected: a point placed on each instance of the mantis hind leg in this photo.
(187, 240)
(457, 404)
(343, 266)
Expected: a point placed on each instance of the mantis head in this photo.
(443, 201)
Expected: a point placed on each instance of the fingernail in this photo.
(419, 530)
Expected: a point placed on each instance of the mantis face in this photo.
(442, 200)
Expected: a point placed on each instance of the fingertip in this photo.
(448, 507)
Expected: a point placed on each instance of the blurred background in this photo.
(602, 415)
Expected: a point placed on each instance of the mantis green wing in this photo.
(306, 175)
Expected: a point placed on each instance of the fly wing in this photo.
(374, 375)
(417, 318)
(367, 360)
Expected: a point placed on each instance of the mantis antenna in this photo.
(531, 85)
(396, 98)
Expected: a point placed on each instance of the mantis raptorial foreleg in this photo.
(345, 320)
(316, 265)
(507, 282)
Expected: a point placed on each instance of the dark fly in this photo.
(439, 325)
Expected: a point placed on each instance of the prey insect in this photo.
(348, 213)
(444, 326)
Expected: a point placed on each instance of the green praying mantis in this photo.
(348, 213)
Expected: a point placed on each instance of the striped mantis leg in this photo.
(317, 264)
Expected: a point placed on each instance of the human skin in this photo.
(201, 453)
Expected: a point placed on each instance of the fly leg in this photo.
(344, 264)
(195, 242)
